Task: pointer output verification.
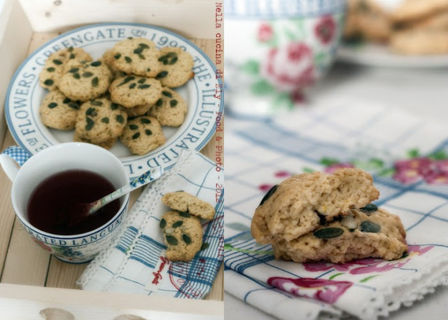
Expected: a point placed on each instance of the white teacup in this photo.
(77, 248)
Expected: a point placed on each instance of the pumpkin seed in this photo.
(128, 59)
(142, 80)
(126, 80)
(133, 126)
(48, 82)
(369, 226)
(56, 61)
(95, 82)
(159, 102)
(66, 100)
(130, 38)
(70, 49)
(87, 74)
(173, 103)
(328, 233)
(268, 194)
(76, 76)
(144, 86)
(138, 50)
(132, 85)
(136, 135)
(95, 63)
(143, 45)
(148, 132)
(117, 56)
(178, 223)
(184, 214)
(114, 106)
(90, 123)
(161, 74)
(167, 94)
(51, 69)
(52, 105)
(73, 70)
(105, 120)
(171, 240)
(148, 69)
(74, 105)
(169, 58)
(96, 103)
(186, 239)
(71, 56)
(91, 112)
(145, 120)
(119, 118)
(370, 208)
(162, 223)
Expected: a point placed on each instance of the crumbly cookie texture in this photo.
(138, 56)
(300, 203)
(84, 81)
(54, 66)
(358, 235)
(185, 202)
(182, 234)
(170, 109)
(131, 91)
(100, 121)
(176, 67)
(416, 9)
(138, 110)
(142, 134)
(58, 111)
(420, 42)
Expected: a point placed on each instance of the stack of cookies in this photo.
(127, 94)
(182, 227)
(330, 217)
(414, 27)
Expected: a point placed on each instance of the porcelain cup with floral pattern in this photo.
(276, 49)
(78, 248)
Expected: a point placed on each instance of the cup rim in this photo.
(39, 155)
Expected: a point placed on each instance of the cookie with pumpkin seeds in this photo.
(131, 91)
(182, 234)
(137, 56)
(176, 67)
(170, 109)
(54, 65)
(138, 110)
(142, 134)
(85, 80)
(183, 201)
(106, 144)
(99, 121)
(58, 111)
(362, 233)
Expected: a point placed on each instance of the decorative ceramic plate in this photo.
(202, 95)
(379, 55)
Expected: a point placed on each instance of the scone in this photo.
(375, 234)
(182, 234)
(185, 202)
(84, 81)
(54, 65)
(131, 91)
(100, 122)
(142, 134)
(58, 111)
(176, 67)
(299, 204)
(137, 56)
(170, 109)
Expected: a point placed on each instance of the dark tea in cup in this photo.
(55, 204)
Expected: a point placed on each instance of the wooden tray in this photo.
(25, 268)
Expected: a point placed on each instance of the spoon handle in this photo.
(147, 177)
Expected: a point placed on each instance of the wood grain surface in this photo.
(24, 262)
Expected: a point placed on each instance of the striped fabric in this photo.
(135, 262)
(261, 152)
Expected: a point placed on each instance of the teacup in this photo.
(277, 49)
(77, 248)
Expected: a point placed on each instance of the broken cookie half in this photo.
(319, 216)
